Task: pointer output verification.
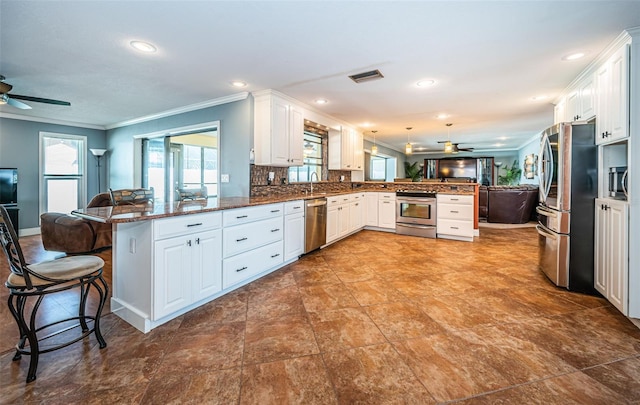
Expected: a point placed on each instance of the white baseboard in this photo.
(29, 231)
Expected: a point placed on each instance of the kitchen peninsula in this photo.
(171, 258)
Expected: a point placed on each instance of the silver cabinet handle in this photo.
(241, 216)
(241, 269)
(189, 242)
(198, 241)
(453, 212)
(198, 224)
(274, 211)
(275, 230)
(276, 255)
(454, 227)
(241, 239)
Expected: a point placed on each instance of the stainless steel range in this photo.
(416, 213)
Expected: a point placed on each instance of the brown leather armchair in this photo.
(511, 204)
(71, 234)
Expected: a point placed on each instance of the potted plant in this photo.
(511, 176)
(412, 171)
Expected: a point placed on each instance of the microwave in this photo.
(618, 182)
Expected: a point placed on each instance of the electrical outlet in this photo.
(272, 175)
(224, 178)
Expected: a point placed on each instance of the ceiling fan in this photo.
(12, 99)
(450, 147)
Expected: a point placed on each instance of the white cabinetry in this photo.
(346, 150)
(611, 252)
(387, 210)
(455, 216)
(344, 215)
(187, 263)
(293, 229)
(278, 130)
(371, 209)
(612, 122)
(252, 242)
(356, 212)
(559, 111)
(581, 101)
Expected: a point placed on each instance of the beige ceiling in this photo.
(488, 59)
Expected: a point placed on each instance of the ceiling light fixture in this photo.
(442, 116)
(426, 83)
(374, 148)
(238, 83)
(408, 148)
(321, 101)
(540, 97)
(573, 56)
(448, 146)
(143, 46)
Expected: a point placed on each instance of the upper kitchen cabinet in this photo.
(581, 101)
(346, 149)
(613, 97)
(278, 130)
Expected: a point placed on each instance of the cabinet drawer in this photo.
(244, 266)
(294, 207)
(241, 238)
(455, 211)
(455, 199)
(338, 200)
(455, 227)
(186, 224)
(250, 214)
(387, 196)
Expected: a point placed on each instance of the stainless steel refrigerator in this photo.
(568, 170)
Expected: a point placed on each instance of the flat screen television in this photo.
(8, 186)
(457, 168)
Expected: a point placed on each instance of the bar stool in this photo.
(27, 281)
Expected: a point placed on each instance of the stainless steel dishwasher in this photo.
(315, 224)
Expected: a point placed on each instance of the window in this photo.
(188, 160)
(62, 172)
(378, 169)
(312, 144)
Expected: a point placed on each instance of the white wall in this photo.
(533, 146)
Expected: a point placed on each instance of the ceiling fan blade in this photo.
(17, 104)
(40, 100)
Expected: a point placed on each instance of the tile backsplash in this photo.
(261, 188)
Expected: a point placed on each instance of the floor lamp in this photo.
(98, 153)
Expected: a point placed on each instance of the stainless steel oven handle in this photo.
(547, 213)
(543, 232)
(624, 180)
(414, 226)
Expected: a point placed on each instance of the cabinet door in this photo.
(618, 103)
(601, 275)
(293, 236)
(280, 132)
(346, 155)
(573, 106)
(559, 112)
(355, 215)
(332, 223)
(344, 220)
(618, 255)
(358, 151)
(296, 136)
(206, 264)
(387, 214)
(587, 98)
(371, 211)
(603, 90)
(172, 276)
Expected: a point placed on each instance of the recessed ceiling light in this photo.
(366, 125)
(442, 116)
(321, 101)
(143, 46)
(238, 83)
(426, 83)
(573, 56)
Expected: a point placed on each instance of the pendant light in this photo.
(374, 148)
(448, 146)
(408, 148)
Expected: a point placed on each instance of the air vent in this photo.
(366, 76)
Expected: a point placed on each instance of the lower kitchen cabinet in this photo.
(455, 216)
(293, 229)
(387, 210)
(187, 269)
(242, 267)
(611, 252)
(371, 209)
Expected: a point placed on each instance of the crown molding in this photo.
(181, 110)
(50, 121)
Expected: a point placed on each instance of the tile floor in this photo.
(376, 318)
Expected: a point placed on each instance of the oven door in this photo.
(420, 211)
(553, 255)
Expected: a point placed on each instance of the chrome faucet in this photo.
(311, 180)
